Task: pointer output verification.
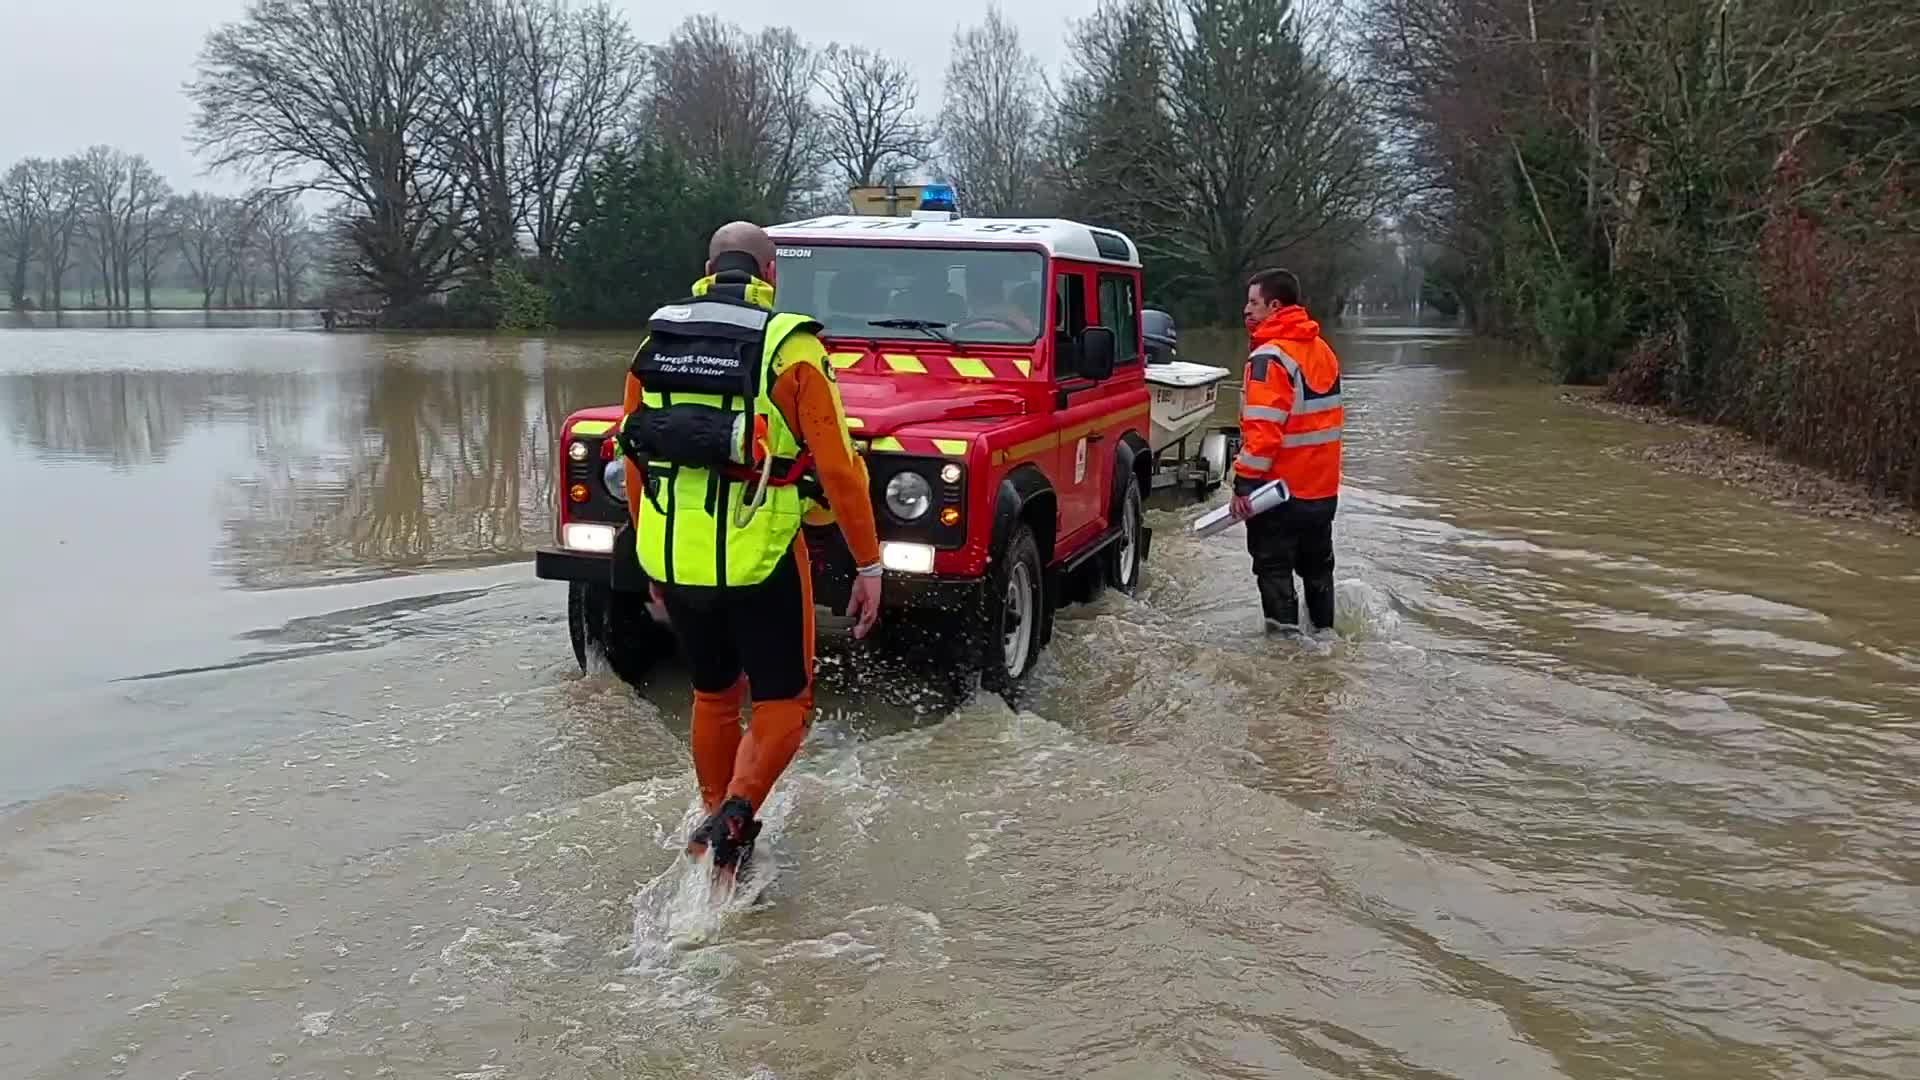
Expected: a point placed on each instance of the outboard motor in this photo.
(1163, 336)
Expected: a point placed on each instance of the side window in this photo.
(1069, 318)
(1119, 314)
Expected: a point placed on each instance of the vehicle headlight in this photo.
(615, 475)
(909, 495)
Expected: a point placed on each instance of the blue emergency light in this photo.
(938, 197)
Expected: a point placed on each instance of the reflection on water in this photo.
(358, 454)
(159, 320)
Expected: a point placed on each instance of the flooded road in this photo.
(1609, 773)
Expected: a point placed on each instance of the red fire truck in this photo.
(993, 377)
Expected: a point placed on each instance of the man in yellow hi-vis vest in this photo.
(731, 416)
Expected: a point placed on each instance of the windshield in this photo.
(981, 296)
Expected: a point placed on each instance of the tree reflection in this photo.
(437, 461)
(131, 418)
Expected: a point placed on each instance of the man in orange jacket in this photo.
(1290, 429)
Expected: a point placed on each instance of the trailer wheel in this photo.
(616, 627)
(1007, 641)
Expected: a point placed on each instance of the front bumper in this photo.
(833, 573)
(565, 564)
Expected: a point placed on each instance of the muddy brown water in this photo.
(1608, 773)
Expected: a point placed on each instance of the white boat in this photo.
(1184, 396)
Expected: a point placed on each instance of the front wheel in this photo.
(1123, 557)
(1008, 639)
(617, 627)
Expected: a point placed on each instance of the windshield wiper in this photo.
(925, 326)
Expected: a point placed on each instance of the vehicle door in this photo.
(1078, 404)
(1118, 309)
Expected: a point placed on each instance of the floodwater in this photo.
(1608, 773)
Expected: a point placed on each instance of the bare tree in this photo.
(19, 227)
(203, 225)
(738, 108)
(482, 100)
(1279, 146)
(58, 206)
(339, 96)
(583, 73)
(871, 133)
(118, 189)
(993, 120)
(151, 236)
(280, 228)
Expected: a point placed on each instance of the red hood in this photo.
(1287, 324)
(885, 403)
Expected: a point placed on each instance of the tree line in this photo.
(1705, 204)
(526, 162)
(103, 227)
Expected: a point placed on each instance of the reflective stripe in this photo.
(710, 311)
(1253, 462)
(593, 427)
(1314, 405)
(1312, 438)
(1267, 350)
(1264, 412)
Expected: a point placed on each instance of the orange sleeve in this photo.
(630, 404)
(806, 397)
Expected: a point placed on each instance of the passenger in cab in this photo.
(731, 419)
(1291, 420)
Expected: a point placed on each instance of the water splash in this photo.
(683, 908)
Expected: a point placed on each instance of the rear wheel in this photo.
(1123, 557)
(1007, 641)
(617, 627)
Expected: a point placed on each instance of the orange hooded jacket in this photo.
(1290, 411)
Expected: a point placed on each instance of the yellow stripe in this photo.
(889, 444)
(843, 360)
(971, 368)
(952, 447)
(1026, 449)
(1025, 366)
(593, 427)
(901, 362)
(854, 422)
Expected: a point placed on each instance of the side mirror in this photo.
(1096, 352)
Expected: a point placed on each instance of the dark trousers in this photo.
(764, 631)
(1295, 537)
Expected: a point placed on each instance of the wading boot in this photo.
(1279, 605)
(1320, 602)
(728, 832)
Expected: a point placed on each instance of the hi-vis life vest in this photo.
(715, 351)
(1291, 416)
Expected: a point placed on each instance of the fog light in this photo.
(615, 476)
(577, 452)
(950, 516)
(907, 558)
(578, 493)
(950, 473)
(587, 537)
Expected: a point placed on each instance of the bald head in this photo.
(745, 237)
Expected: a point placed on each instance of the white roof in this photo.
(1067, 239)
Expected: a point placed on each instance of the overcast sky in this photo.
(78, 72)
